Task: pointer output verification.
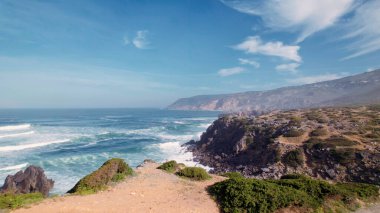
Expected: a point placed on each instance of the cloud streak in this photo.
(292, 67)
(315, 78)
(365, 28)
(255, 45)
(304, 16)
(244, 61)
(230, 71)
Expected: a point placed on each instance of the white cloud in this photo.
(292, 67)
(255, 45)
(140, 40)
(304, 16)
(316, 78)
(365, 27)
(230, 71)
(244, 61)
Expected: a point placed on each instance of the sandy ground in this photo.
(151, 190)
(371, 209)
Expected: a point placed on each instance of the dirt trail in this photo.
(151, 190)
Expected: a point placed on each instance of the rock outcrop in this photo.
(33, 179)
(341, 144)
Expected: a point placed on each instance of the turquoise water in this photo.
(69, 144)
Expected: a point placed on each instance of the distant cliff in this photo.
(340, 144)
(358, 89)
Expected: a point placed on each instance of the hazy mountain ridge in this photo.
(357, 89)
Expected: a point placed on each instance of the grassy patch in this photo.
(170, 166)
(194, 173)
(14, 201)
(113, 170)
(240, 194)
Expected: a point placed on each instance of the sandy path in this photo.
(152, 190)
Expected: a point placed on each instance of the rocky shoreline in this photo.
(329, 143)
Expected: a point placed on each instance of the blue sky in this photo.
(140, 53)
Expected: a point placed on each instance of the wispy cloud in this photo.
(292, 67)
(316, 78)
(140, 40)
(365, 28)
(244, 61)
(255, 45)
(304, 16)
(230, 71)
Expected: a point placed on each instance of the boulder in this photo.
(33, 179)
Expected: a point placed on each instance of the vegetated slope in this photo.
(332, 143)
(358, 89)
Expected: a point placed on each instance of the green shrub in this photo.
(113, 170)
(13, 201)
(360, 190)
(252, 195)
(319, 132)
(233, 175)
(170, 166)
(294, 133)
(294, 158)
(194, 173)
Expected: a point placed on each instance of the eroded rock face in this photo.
(33, 179)
(285, 142)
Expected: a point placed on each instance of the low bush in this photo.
(295, 121)
(194, 173)
(13, 201)
(113, 170)
(294, 133)
(294, 158)
(252, 195)
(319, 132)
(170, 166)
(340, 141)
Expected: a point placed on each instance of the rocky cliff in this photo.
(340, 144)
(358, 89)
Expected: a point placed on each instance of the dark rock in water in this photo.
(33, 179)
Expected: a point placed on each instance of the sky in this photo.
(148, 53)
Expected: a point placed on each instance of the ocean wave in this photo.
(205, 126)
(15, 167)
(17, 134)
(15, 127)
(30, 146)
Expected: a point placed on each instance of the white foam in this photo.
(174, 151)
(15, 127)
(183, 138)
(179, 122)
(15, 167)
(17, 134)
(30, 146)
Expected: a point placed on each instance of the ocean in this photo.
(70, 143)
